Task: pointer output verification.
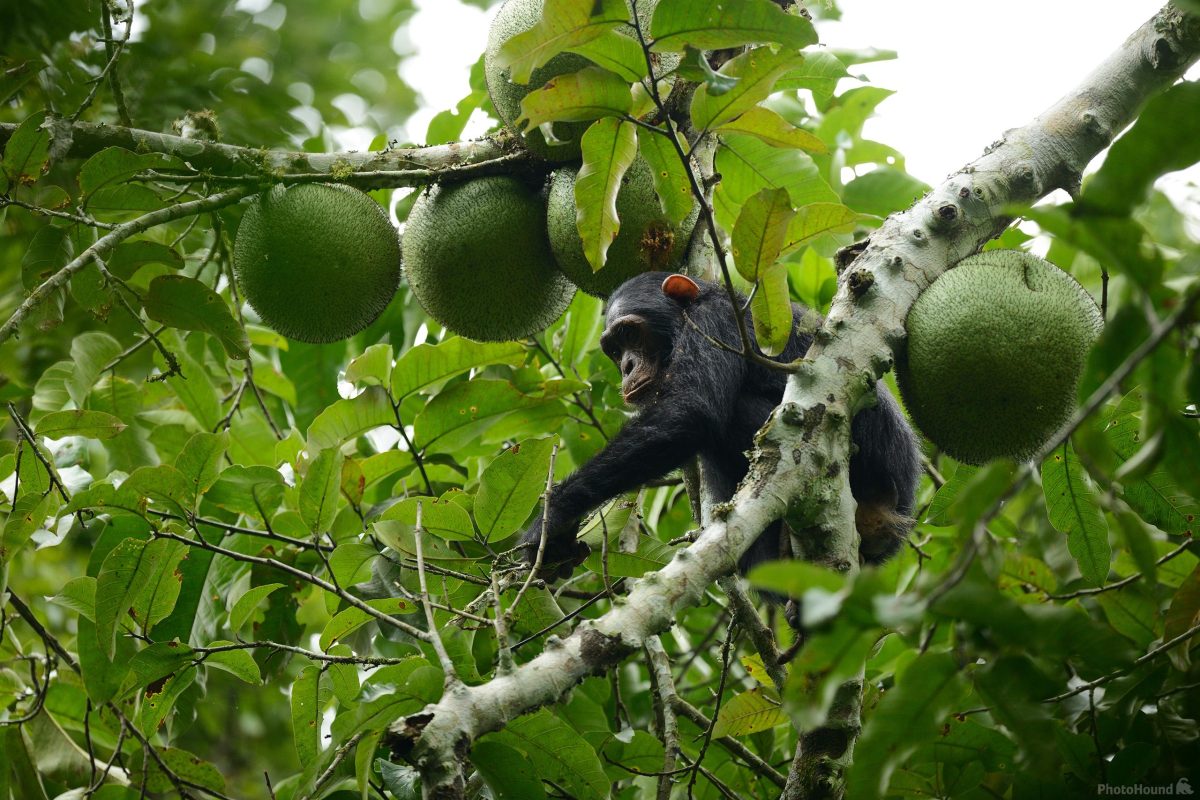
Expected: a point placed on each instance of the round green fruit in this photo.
(516, 17)
(995, 350)
(477, 258)
(317, 262)
(647, 240)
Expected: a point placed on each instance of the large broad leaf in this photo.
(816, 220)
(756, 71)
(114, 165)
(590, 93)
(911, 713)
(564, 24)
(345, 419)
(200, 461)
(127, 570)
(319, 492)
(89, 424)
(720, 24)
(310, 695)
(765, 124)
(609, 147)
(91, 353)
(617, 53)
(748, 165)
(671, 182)
(747, 713)
(441, 518)
(182, 302)
(457, 412)
(511, 486)
(1075, 511)
(771, 308)
(558, 753)
(426, 364)
(760, 231)
(351, 619)
(1163, 139)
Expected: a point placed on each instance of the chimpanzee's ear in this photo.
(681, 289)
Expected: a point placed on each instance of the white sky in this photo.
(968, 70)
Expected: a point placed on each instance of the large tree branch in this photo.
(803, 450)
(390, 168)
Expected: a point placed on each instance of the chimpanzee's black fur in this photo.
(709, 402)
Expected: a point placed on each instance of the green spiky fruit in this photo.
(646, 241)
(518, 16)
(995, 350)
(477, 258)
(317, 262)
(515, 17)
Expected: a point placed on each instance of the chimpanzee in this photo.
(697, 399)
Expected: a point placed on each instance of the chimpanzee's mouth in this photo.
(635, 392)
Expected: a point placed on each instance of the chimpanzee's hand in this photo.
(562, 553)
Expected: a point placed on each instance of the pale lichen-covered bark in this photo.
(803, 450)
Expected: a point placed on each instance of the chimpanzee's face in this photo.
(636, 349)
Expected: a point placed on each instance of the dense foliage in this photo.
(210, 542)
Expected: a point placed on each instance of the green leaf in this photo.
(511, 486)
(162, 484)
(426, 364)
(90, 354)
(49, 250)
(564, 24)
(186, 303)
(248, 603)
(883, 191)
(748, 165)
(441, 518)
(1161, 140)
(461, 409)
(1075, 511)
(558, 753)
(27, 152)
(507, 772)
(829, 658)
(158, 587)
(79, 595)
(123, 577)
(256, 491)
(351, 562)
(309, 699)
(771, 308)
(816, 220)
(819, 73)
(609, 147)
(694, 67)
(372, 368)
(239, 663)
(910, 714)
(765, 124)
(747, 713)
(617, 53)
(89, 424)
(758, 235)
(1183, 615)
(717, 25)
(28, 513)
(671, 182)
(320, 491)
(102, 674)
(590, 93)
(130, 256)
(185, 765)
(756, 71)
(345, 419)
(351, 619)
(200, 461)
(159, 699)
(114, 165)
